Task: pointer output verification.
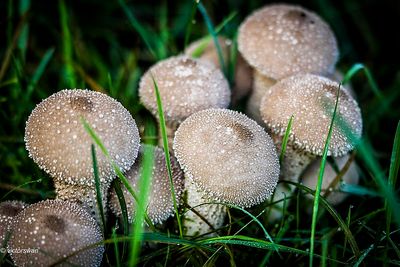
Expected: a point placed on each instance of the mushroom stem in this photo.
(294, 161)
(214, 214)
(261, 83)
(85, 196)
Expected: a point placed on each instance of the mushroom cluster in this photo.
(228, 159)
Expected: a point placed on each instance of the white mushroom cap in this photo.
(160, 204)
(186, 86)
(8, 211)
(58, 142)
(310, 178)
(243, 72)
(282, 40)
(311, 100)
(228, 156)
(56, 229)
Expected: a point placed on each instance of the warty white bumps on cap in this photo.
(58, 142)
(311, 100)
(227, 155)
(56, 229)
(160, 203)
(281, 40)
(8, 211)
(186, 86)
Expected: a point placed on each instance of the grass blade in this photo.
(166, 151)
(99, 197)
(144, 186)
(319, 183)
(122, 203)
(67, 47)
(361, 67)
(139, 28)
(39, 72)
(393, 174)
(116, 249)
(190, 23)
(212, 32)
(285, 139)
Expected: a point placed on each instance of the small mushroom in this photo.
(311, 100)
(227, 158)
(160, 203)
(243, 72)
(281, 40)
(8, 211)
(58, 142)
(55, 231)
(186, 86)
(280, 201)
(330, 185)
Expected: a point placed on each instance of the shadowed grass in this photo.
(99, 196)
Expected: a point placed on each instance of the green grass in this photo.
(58, 44)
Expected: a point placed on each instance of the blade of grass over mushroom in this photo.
(98, 190)
(319, 183)
(140, 29)
(212, 32)
(361, 67)
(39, 72)
(232, 63)
(285, 139)
(166, 151)
(117, 170)
(206, 40)
(141, 205)
(67, 46)
(122, 203)
(393, 174)
(116, 249)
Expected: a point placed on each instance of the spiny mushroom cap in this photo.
(160, 204)
(311, 100)
(282, 40)
(228, 156)
(58, 142)
(8, 211)
(243, 72)
(186, 86)
(56, 229)
(310, 177)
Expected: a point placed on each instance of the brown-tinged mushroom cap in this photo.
(160, 204)
(58, 142)
(311, 100)
(55, 229)
(8, 211)
(282, 40)
(186, 86)
(329, 189)
(228, 156)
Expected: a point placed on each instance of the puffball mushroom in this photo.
(8, 211)
(186, 86)
(58, 142)
(311, 100)
(56, 229)
(227, 158)
(281, 40)
(160, 203)
(243, 72)
(329, 188)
